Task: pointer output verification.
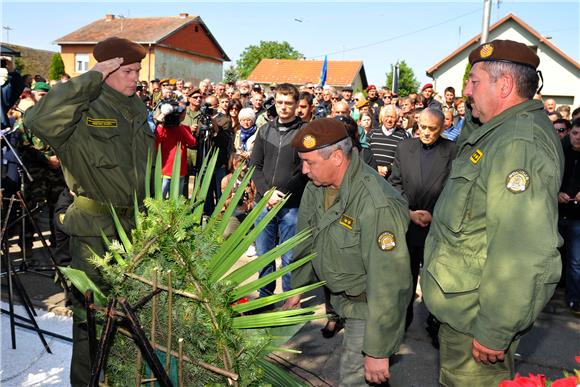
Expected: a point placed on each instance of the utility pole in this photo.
(395, 84)
(7, 29)
(485, 21)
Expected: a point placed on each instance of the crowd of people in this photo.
(399, 182)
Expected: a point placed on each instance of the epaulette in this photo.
(524, 127)
(378, 190)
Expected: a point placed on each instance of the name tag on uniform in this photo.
(102, 122)
(346, 221)
(476, 156)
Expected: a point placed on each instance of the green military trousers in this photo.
(79, 248)
(458, 368)
(352, 370)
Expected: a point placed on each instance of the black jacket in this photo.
(277, 162)
(421, 192)
(570, 181)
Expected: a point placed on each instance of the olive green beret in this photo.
(114, 47)
(505, 51)
(319, 134)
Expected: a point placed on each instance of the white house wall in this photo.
(174, 66)
(561, 78)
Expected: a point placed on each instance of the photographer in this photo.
(215, 132)
(12, 87)
(169, 134)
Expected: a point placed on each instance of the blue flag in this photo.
(323, 72)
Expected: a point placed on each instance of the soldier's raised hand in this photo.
(106, 67)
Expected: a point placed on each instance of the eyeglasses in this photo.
(560, 130)
(335, 99)
(165, 84)
(195, 96)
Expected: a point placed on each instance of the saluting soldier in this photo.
(359, 223)
(98, 128)
(491, 255)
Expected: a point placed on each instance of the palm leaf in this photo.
(225, 194)
(273, 299)
(246, 289)
(239, 236)
(206, 180)
(175, 172)
(278, 377)
(158, 175)
(82, 282)
(246, 271)
(227, 263)
(264, 320)
(198, 177)
(121, 231)
(148, 175)
(136, 211)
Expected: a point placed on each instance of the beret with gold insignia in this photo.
(114, 47)
(505, 51)
(319, 134)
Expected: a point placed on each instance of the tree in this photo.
(407, 81)
(465, 76)
(56, 68)
(19, 65)
(230, 75)
(252, 55)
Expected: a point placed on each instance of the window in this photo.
(81, 63)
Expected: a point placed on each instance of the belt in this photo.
(359, 298)
(94, 207)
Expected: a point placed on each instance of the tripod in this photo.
(13, 280)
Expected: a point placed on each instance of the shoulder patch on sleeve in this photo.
(387, 241)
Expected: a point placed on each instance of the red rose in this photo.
(565, 382)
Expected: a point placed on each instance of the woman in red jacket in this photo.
(170, 134)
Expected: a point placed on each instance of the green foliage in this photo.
(56, 69)
(465, 76)
(407, 81)
(19, 65)
(172, 248)
(252, 55)
(230, 74)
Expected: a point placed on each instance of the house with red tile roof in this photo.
(560, 71)
(177, 46)
(300, 72)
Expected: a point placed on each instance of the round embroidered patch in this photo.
(517, 181)
(309, 141)
(387, 241)
(486, 51)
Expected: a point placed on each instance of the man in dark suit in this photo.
(420, 170)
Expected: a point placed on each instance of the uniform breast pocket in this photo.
(103, 145)
(456, 198)
(346, 252)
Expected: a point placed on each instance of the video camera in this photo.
(270, 106)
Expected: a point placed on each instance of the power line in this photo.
(397, 36)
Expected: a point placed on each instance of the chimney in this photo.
(109, 17)
(183, 15)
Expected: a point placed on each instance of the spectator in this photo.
(450, 132)
(562, 127)
(233, 111)
(569, 211)
(366, 122)
(564, 111)
(420, 171)
(385, 140)
(550, 105)
(305, 107)
(246, 136)
(169, 134)
(554, 115)
(428, 94)
(278, 166)
(449, 103)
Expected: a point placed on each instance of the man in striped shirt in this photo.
(385, 140)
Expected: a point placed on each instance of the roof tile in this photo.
(339, 73)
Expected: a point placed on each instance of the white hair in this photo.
(247, 113)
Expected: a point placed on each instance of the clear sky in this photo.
(377, 32)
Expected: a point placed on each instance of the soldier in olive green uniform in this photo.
(98, 128)
(359, 223)
(491, 258)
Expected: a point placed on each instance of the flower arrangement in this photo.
(541, 381)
